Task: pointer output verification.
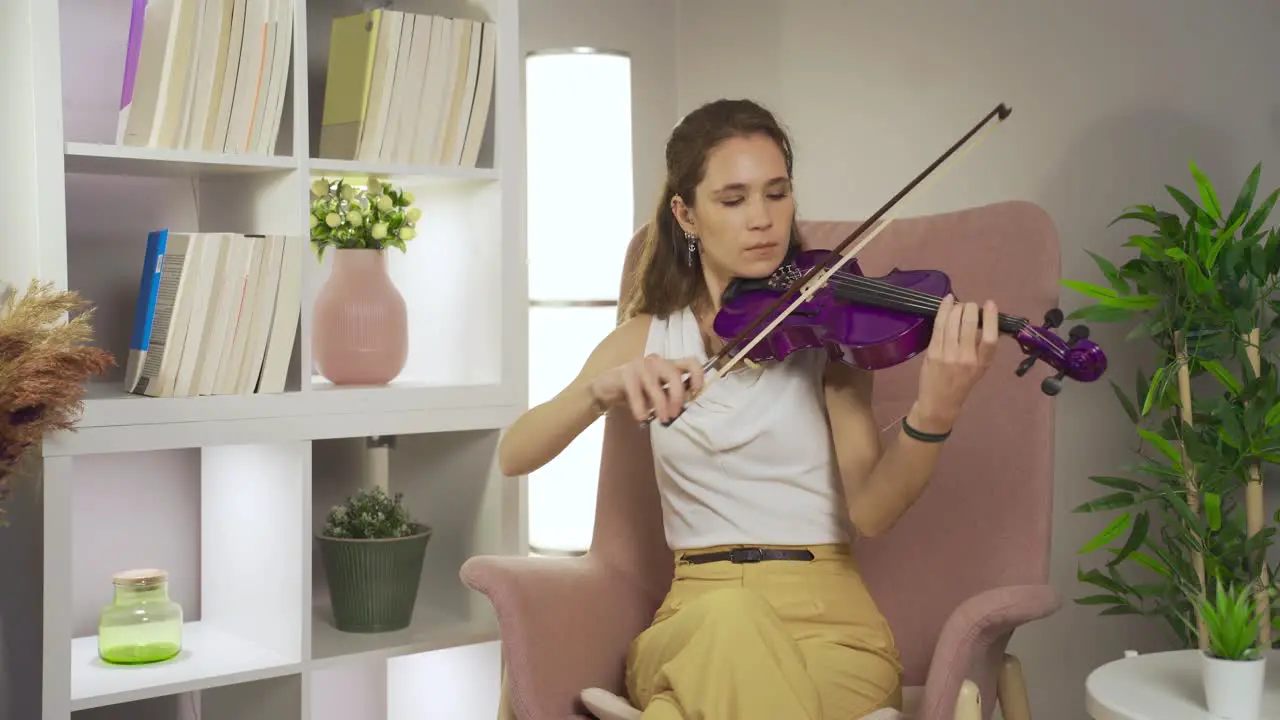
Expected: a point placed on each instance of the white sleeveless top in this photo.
(750, 461)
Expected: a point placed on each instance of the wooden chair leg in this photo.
(1011, 690)
(969, 702)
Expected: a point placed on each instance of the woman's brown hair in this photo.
(668, 278)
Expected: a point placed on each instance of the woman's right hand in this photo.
(639, 385)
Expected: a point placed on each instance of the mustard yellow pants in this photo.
(774, 640)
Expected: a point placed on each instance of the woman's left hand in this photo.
(958, 356)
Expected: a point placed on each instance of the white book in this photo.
(228, 289)
(385, 57)
(484, 97)
(284, 320)
(212, 248)
(238, 329)
(264, 303)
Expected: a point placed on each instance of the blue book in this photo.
(144, 310)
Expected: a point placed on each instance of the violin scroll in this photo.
(1076, 357)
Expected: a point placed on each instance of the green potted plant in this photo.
(1234, 668)
(1198, 290)
(372, 553)
(360, 328)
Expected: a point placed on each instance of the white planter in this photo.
(1232, 688)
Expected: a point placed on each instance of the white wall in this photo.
(1109, 100)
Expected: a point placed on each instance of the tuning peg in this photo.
(1026, 364)
(1077, 333)
(1053, 318)
(1052, 385)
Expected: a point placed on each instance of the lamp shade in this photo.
(580, 213)
(580, 196)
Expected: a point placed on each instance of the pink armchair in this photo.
(964, 568)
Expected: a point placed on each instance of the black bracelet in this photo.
(923, 436)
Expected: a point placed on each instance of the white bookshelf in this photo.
(227, 492)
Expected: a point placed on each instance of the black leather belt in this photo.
(742, 555)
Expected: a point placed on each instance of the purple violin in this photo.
(873, 323)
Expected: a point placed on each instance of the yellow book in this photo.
(352, 41)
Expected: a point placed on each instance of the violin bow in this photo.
(805, 286)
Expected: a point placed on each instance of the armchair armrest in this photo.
(566, 624)
(980, 625)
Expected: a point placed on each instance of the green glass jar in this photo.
(142, 625)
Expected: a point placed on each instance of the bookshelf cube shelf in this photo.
(225, 491)
(228, 524)
(449, 484)
(264, 699)
(450, 276)
(459, 686)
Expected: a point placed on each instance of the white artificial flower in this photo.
(407, 233)
(384, 203)
(355, 218)
(408, 197)
(375, 187)
(333, 220)
(379, 231)
(319, 187)
(413, 214)
(348, 192)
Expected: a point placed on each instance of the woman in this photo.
(766, 476)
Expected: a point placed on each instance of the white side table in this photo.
(1163, 686)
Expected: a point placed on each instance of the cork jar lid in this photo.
(140, 577)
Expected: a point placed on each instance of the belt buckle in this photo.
(739, 556)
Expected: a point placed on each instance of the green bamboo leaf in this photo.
(1260, 215)
(1092, 290)
(1120, 610)
(1207, 194)
(1137, 535)
(1222, 374)
(1108, 534)
(1145, 561)
(1127, 404)
(1093, 577)
(1132, 302)
(1273, 415)
(1100, 313)
(1101, 600)
(1120, 483)
(1110, 272)
(1113, 501)
(1213, 510)
(1138, 212)
(1194, 212)
(1165, 447)
(1151, 391)
(1244, 200)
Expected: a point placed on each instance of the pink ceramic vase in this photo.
(360, 335)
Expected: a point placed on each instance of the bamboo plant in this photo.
(1189, 510)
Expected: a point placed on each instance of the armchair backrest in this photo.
(984, 521)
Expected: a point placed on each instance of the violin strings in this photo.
(911, 299)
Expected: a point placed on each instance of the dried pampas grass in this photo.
(44, 361)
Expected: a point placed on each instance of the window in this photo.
(580, 219)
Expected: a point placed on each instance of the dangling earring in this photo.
(691, 247)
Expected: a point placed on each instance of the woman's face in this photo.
(742, 212)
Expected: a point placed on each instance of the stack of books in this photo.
(408, 88)
(206, 75)
(217, 314)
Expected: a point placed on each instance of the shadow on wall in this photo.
(1122, 160)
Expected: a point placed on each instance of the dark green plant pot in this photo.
(373, 584)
